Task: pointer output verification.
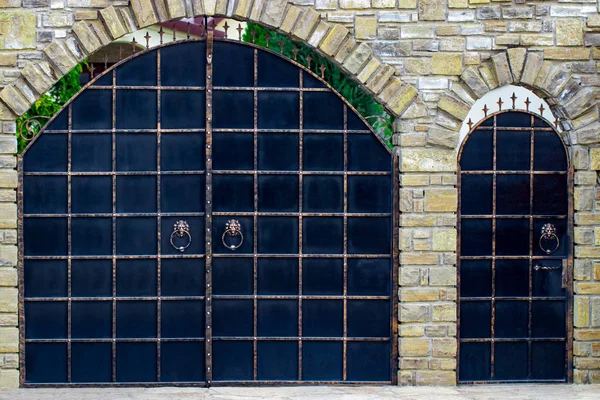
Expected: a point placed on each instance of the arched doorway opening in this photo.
(515, 251)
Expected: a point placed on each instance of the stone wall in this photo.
(427, 61)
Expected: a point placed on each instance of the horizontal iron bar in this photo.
(532, 339)
(512, 257)
(221, 213)
(215, 88)
(205, 384)
(297, 297)
(527, 129)
(498, 381)
(117, 257)
(120, 215)
(504, 172)
(117, 173)
(250, 255)
(111, 340)
(111, 298)
(500, 216)
(218, 130)
(304, 214)
(341, 173)
(303, 339)
(219, 255)
(146, 87)
(219, 172)
(513, 298)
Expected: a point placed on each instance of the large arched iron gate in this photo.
(207, 213)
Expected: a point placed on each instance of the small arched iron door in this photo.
(207, 213)
(515, 251)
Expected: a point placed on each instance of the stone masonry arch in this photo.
(306, 25)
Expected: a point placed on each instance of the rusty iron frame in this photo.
(207, 215)
(567, 258)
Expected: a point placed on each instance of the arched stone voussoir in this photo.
(550, 79)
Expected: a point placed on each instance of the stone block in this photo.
(446, 64)
(444, 347)
(86, 36)
(442, 276)
(60, 56)
(435, 378)
(8, 299)
(334, 39)
(355, 4)
(442, 137)
(581, 312)
(380, 78)
(428, 160)
(289, 21)
(580, 102)
(8, 253)
(18, 103)
(414, 347)
(586, 334)
(595, 317)
(365, 27)
(474, 81)
(9, 379)
(444, 240)
(306, 23)
(368, 70)
(17, 29)
(569, 32)
(502, 69)
(358, 58)
(454, 107)
(588, 134)
(413, 363)
(587, 118)
(414, 313)
(8, 59)
(440, 200)
(318, 34)
(411, 330)
(566, 53)
(402, 99)
(584, 235)
(419, 295)
(584, 198)
(444, 312)
(432, 10)
(407, 258)
(8, 277)
(9, 340)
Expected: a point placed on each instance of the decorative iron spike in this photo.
(267, 38)
(514, 99)
(500, 102)
(161, 32)
(206, 25)
(542, 109)
(120, 53)
(485, 110)
(280, 46)
(188, 30)
(92, 69)
(202, 29)
(239, 29)
(105, 61)
(556, 122)
(295, 51)
(133, 45)
(308, 60)
(322, 69)
(147, 37)
(253, 33)
(527, 103)
(174, 37)
(226, 27)
(470, 123)
(213, 23)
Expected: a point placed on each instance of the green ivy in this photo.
(50, 103)
(380, 120)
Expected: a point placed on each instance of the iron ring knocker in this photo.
(233, 228)
(180, 230)
(549, 233)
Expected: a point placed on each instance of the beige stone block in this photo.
(407, 4)
(414, 180)
(9, 319)
(436, 378)
(290, 18)
(582, 349)
(10, 3)
(8, 59)
(587, 288)
(586, 334)
(597, 271)
(144, 12)
(432, 10)
(444, 347)
(428, 160)
(587, 363)
(334, 39)
(365, 27)
(86, 37)
(383, 3)
(502, 69)
(401, 100)
(411, 220)
(273, 12)
(15, 99)
(60, 56)
(442, 363)
(411, 330)
(8, 277)
(457, 108)
(444, 312)
(537, 39)
(345, 50)
(306, 23)
(355, 4)
(368, 70)
(584, 198)
(440, 200)
(421, 294)
(8, 179)
(442, 276)
(414, 347)
(565, 53)
(595, 317)
(458, 3)
(8, 299)
(585, 235)
(587, 252)
(446, 64)
(581, 317)
(380, 78)
(319, 33)
(569, 32)
(9, 340)
(448, 30)
(595, 158)
(414, 313)
(8, 253)
(413, 363)
(407, 258)
(358, 58)
(9, 379)
(17, 29)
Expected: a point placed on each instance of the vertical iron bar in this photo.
(255, 219)
(300, 220)
(530, 272)
(208, 205)
(493, 301)
(21, 271)
(158, 222)
(345, 248)
(569, 289)
(458, 254)
(114, 226)
(395, 266)
(69, 241)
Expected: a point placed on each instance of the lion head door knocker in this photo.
(549, 242)
(181, 231)
(232, 229)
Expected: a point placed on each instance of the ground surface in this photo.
(479, 392)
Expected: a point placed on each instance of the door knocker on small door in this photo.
(181, 229)
(232, 229)
(549, 235)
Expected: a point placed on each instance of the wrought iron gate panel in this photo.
(133, 270)
(515, 252)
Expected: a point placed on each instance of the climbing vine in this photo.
(380, 120)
